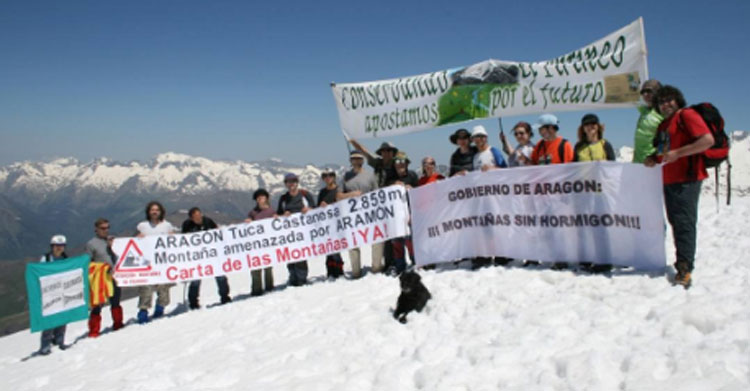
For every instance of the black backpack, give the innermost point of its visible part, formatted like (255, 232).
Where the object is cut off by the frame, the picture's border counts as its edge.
(719, 152)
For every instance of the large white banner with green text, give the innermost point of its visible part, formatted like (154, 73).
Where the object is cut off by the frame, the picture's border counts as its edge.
(604, 74)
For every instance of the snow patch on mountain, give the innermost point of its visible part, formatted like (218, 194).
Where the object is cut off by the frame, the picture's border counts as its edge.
(166, 172)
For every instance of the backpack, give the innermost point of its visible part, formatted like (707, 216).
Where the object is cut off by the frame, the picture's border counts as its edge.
(560, 149)
(717, 153)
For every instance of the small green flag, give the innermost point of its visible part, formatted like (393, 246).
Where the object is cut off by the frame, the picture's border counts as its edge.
(58, 292)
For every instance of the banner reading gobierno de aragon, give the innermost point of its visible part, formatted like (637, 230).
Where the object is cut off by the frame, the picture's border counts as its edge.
(354, 222)
(605, 74)
(598, 212)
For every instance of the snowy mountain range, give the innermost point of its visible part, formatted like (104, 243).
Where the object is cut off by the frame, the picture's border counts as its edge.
(38, 199)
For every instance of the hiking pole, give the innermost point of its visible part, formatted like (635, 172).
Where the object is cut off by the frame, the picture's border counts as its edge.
(729, 179)
(716, 192)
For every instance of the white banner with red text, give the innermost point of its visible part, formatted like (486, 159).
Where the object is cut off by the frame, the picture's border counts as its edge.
(605, 74)
(601, 212)
(354, 222)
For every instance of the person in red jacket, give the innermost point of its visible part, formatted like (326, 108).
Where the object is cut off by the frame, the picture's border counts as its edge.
(681, 138)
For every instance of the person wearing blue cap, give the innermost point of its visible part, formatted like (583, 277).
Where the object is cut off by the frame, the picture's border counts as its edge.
(551, 149)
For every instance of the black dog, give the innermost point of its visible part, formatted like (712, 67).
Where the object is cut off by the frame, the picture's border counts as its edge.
(413, 297)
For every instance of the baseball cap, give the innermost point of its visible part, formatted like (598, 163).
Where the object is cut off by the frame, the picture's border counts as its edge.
(546, 119)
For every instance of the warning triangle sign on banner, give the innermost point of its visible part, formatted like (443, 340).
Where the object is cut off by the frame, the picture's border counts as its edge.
(132, 259)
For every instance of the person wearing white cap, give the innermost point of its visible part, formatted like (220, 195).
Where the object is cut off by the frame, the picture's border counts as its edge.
(356, 182)
(487, 157)
(551, 149)
(55, 336)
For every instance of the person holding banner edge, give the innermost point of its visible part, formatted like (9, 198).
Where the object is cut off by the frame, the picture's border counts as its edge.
(592, 146)
(399, 246)
(293, 201)
(155, 224)
(648, 122)
(326, 196)
(261, 211)
(680, 137)
(198, 222)
(521, 154)
(99, 248)
(55, 336)
(356, 182)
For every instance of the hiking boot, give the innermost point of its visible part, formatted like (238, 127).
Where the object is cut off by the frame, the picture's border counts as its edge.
(116, 317)
(502, 261)
(226, 299)
(45, 350)
(683, 278)
(142, 317)
(559, 266)
(599, 269)
(158, 312)
(63, 346)
(95, 321)
(194, 305)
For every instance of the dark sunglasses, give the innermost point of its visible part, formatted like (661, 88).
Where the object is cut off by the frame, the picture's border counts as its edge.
(647, 91)
(429, 163)
(103, 228)
(324, 176)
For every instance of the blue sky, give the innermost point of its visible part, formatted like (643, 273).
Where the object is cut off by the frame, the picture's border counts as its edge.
(246, 80)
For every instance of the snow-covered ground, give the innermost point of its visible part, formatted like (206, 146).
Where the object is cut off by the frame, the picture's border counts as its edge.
(492, 329)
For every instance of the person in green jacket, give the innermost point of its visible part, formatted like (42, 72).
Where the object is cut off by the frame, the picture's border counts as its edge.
(648, 121)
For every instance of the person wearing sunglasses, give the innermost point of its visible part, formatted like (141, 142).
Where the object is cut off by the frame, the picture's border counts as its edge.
(521, 154)
(648, 121)
(429, 172)
(99, 248)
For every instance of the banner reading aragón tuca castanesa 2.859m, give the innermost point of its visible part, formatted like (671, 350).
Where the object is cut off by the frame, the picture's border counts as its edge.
(605, 74)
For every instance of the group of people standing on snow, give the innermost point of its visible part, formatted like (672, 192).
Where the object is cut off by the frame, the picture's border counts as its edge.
(667, 132)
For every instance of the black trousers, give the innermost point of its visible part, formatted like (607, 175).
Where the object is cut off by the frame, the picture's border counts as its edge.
(681, 203)
(195, 287)
(114, 301)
